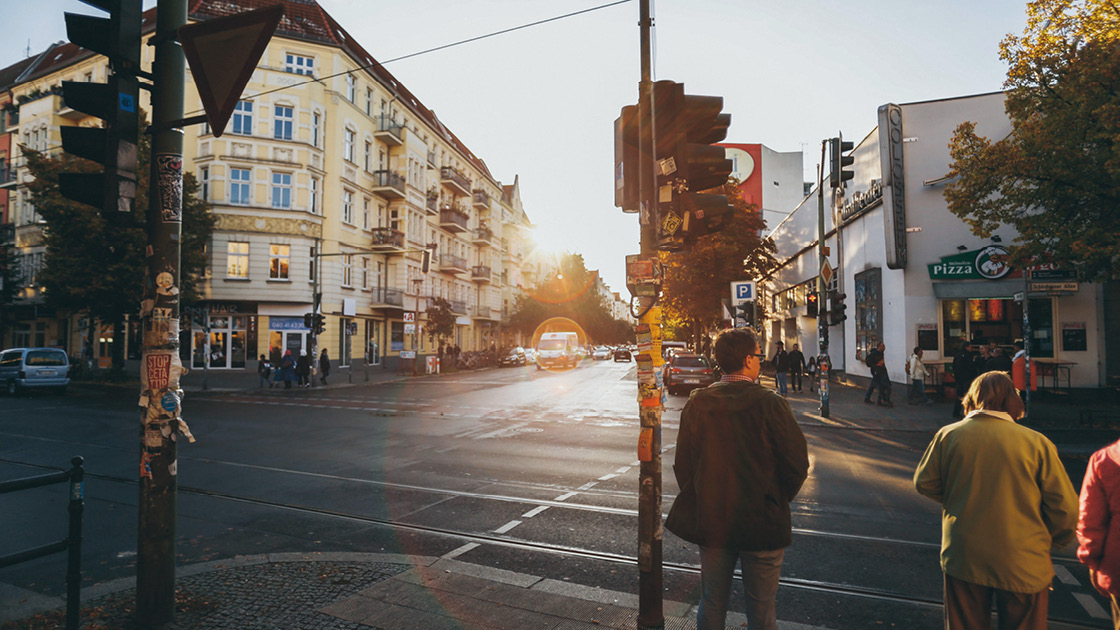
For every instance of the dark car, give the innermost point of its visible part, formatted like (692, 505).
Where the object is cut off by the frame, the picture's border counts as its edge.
(622, 354)
(512, 356)
(687, 371)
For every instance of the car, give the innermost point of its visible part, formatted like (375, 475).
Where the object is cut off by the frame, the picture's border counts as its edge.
(622, 354)
(601, 352)
(686, 371)
(513, 356)
(24, 369)
(669, 348)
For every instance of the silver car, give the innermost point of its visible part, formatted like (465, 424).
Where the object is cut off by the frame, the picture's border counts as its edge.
(33, 368)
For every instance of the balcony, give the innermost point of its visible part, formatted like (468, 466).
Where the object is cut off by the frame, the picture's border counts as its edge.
(480, 273)
(388, 184)
(455, 181)
(7, 234)
(8, 177)
(457, 307)
(388, 131)
(432, 204)
(454, 220)
(384, 297)
(450, 263)
(387, 240)
(485, 312)
(482, 236)
(481, 199)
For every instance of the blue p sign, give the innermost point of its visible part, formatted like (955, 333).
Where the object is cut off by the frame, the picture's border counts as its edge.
(744, 291)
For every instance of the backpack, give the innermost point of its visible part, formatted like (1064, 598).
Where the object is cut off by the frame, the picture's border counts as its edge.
(907, 366)
(870, 360)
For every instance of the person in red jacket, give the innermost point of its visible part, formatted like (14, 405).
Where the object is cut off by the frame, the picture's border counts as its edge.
(1098, 529)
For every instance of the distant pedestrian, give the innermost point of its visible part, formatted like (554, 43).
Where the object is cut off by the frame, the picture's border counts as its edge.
(964, 370)
(264, 371)
(880, 379)
(1019, 370)
(781, 368)
(918, 372)
(998, 362)
(1098, 530)
(811, 369)
(740, 461)
(287, 369)
(980, 360)
(796, 367)
(324, 366)
(303, 369)
(1006, 502)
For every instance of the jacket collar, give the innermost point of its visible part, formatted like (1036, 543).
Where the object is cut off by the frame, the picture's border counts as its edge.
(988, 412)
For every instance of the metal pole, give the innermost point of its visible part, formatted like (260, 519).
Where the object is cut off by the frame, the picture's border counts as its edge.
(824, 365)
(161, 368)
(74, 545)
(316, 303)
(650, 609)
(1027, 341)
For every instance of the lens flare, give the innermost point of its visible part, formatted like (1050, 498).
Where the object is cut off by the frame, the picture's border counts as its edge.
(559, 344)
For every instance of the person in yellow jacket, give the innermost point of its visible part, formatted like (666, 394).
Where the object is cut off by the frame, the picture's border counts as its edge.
(1006, 502)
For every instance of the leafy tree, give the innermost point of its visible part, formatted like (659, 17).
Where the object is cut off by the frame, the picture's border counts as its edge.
(697, 280)
(97, 266)
(441, 320)
(1056, 177)
(9, 283)
(571, 293)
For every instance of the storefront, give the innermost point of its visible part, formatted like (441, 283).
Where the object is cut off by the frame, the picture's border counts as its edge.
(222, 335)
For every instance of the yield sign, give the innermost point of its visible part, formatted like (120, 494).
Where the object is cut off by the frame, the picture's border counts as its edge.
(223, 53)
(826, 271)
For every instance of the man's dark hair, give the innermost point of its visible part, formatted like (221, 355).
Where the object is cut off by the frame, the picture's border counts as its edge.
(1018, 345)
(733, 347)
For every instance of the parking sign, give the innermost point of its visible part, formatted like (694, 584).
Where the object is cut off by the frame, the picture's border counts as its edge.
(742, 291)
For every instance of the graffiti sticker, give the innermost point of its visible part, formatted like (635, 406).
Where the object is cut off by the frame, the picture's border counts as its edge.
(169, 167)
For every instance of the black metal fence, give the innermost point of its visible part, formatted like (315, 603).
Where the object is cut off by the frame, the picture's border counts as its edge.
(72, 544)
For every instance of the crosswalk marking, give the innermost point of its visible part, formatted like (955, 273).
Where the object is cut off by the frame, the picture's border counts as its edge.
(508, 526)
(1064, 576)
(1095, 610)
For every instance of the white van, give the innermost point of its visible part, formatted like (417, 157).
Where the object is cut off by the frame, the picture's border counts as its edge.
(558, 349)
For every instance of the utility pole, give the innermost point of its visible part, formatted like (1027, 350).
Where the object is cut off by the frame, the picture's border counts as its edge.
(824, 364)
(160, 396)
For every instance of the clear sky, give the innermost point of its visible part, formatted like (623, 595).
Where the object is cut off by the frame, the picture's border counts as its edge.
(540, 103)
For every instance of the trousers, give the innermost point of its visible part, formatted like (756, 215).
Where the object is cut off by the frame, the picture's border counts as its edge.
(969, 606)
(760, 569)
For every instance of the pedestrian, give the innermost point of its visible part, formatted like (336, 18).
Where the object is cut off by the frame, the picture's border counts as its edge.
(796, 367)
(917, 371)
(1098, 529)
(781, 368)
(303, 369)
(880, 380)
(324, 366)
(964, 370)
(287, 369)
(1006, 501)
(741, 459)
(1019, 370)
(998, 362)
(811, 368)
(980, 360)
(264, 371)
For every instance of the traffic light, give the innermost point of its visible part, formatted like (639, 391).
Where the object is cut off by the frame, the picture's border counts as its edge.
(318, 323)
(626, 160)
(116, 102)
(308, 320)
(426, 261)
(685, 128)
(812, 304)
(837, 307)
(745, 312)
(838, 173)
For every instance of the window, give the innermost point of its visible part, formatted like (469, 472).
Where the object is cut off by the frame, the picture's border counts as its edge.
(365, 214)
(365, 272)
(279, 257)
(367, 156)
(311, 267)
(237, 263)
(347, 206)
(283, 122)
(316, 127)
(243, 118)
(204, 181)
(282, 190)
(348, 145)
(351, 88)
(239, 186)
(299, 64)
(314, 196)
(347, 270)
(369, 101)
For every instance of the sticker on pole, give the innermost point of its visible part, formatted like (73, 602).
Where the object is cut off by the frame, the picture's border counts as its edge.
(169, 169)
(671, 223)
(158, 371)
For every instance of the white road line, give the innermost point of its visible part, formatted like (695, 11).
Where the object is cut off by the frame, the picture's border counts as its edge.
(1091, 606)
(635, 463)
(1064, 576)
(606, 477)
(500, 432)
(623, 470)
(565, 496)
(533, 512)
(587, 486)
(508, 526)
(454, 553)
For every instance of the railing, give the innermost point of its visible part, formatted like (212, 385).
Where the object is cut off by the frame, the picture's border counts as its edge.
(385, 124)
(388, 237)
(481, 198)
(385, 295)
(72, 544)
(451, 260)
(7, 175)
(456, 305)
(433, 204)
(389, 179)
(483, 234)
(452, 174)
(480, 272)
(454, 217)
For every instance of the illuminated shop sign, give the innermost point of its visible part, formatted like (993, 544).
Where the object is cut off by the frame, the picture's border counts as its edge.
(989, 263)
(861, 201)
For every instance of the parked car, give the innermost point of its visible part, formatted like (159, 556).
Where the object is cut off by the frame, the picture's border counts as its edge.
(686, 371)
(669, 348)
(512, 356)
(33, 368)
(601, 353)
(622, 354)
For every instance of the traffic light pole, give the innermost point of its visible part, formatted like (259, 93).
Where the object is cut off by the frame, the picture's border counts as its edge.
(824, 364)
(160, 395)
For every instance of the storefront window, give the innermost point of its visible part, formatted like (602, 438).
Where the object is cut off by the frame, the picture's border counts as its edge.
(996, 320)
(237, 343)
(869, 311)
(1042, 328)
(954, 326)
(396, 339)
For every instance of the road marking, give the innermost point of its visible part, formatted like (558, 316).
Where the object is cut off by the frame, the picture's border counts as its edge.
(565, 496)
(636, 463)
(454, 553)
(587, 486)
(606, 477)
(1064, 576)
(508, 526)
(533, 512)
(1091, 606)
(623, 470)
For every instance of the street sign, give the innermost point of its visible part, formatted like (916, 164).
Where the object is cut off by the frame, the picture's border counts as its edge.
(742, 291)
(826, 272)
(1054, 274)
(1070, 287)
(410, 317)
(410, 329)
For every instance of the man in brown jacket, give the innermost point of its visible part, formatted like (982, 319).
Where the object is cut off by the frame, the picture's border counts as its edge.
(740, 461)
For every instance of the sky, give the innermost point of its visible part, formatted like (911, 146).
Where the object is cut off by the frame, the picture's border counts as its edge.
(539, 103)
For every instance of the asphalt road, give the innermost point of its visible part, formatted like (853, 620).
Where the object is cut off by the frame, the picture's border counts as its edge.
(515, 468)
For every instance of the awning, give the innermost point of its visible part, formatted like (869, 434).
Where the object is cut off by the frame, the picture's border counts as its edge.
(963, 290)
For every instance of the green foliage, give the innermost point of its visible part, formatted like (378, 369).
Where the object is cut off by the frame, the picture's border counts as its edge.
(1056, 178)
(441, 320)
(570, 292)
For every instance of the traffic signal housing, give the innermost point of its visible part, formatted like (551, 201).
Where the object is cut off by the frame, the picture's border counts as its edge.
(836, 313)
(745, 312)
(626, 160)
(318, 323)
(114, 147)
(812, 304)
(685, 130)
(308, 320)
(838, 173)
(426, 261)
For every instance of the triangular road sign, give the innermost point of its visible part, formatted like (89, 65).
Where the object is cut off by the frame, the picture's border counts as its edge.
(223, 53)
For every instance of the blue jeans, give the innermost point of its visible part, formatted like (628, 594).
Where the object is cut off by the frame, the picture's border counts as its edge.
(918, 390)
(780, 377)
(760, 569)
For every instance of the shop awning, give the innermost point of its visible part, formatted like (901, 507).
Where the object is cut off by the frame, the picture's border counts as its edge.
(961, 290)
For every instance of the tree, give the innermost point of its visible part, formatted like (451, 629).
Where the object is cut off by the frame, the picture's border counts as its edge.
(570, 292)
(98, 266)
(1056, 177)
(697, 280)
(441, 320)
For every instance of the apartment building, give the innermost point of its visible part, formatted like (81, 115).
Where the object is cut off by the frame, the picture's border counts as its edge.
(331, 177)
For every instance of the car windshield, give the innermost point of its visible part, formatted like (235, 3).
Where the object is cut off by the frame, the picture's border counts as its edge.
(46, 357)
(551, 344)
(690, 362)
